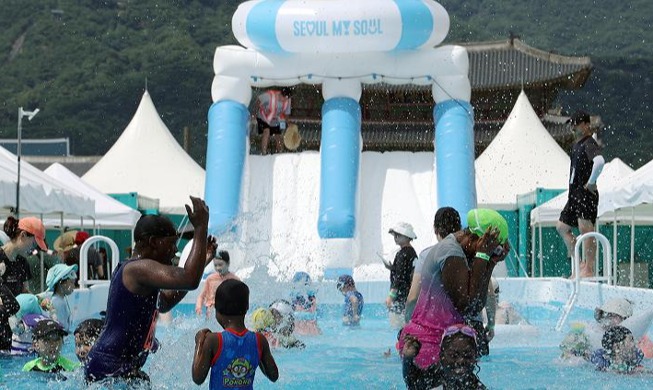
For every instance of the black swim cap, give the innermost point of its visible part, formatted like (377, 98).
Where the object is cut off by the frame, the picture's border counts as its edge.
(232, 298)
(153, 226)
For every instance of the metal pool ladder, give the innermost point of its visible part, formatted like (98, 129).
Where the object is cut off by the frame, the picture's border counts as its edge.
(607, 272)
(84, 281)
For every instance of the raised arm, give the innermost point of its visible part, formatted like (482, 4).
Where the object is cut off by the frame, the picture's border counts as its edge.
(468, 289)
(146, 275)
(169, 298)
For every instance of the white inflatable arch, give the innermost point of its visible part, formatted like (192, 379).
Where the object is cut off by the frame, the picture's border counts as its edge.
(340, 44)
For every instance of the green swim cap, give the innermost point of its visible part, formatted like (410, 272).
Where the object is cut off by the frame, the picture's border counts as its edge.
(479, 220)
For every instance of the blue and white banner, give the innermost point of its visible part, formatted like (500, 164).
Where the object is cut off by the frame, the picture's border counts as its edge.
(339, 26)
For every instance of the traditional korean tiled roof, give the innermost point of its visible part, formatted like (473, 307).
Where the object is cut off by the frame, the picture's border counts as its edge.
(508, 63)
(399, 117)
(512, 64)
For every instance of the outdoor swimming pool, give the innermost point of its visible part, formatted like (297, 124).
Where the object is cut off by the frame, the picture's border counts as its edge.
(344, 358)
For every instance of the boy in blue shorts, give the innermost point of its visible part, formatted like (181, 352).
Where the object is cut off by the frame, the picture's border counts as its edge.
(232, 355)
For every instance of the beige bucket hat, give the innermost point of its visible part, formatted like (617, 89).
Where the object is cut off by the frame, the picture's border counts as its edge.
(291, 138)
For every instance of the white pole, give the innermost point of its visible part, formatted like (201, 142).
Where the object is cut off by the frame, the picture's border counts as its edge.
(632, 246)
(596, 252)
(541, 254)
(533, 249)
(18, 152)
(42, 267)
(614, 248)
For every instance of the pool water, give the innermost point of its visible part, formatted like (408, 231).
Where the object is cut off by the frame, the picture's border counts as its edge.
(348, 358)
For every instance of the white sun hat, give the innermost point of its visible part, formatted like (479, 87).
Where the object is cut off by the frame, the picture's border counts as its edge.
(619, 306)
(405, 229)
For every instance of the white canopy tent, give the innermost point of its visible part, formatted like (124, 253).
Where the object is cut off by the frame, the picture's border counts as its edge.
(33, 198)
(547, 214)
(522, 157)
(148, 160)
(630, 202)
(109, 213)
(631, 198)
(40, 194)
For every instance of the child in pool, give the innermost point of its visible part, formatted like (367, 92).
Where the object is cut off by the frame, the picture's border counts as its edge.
(233, 355)
(457, 367)
(302, 296)
(304, 304)
(86, 334)
(207, 297)
(353, 306)
(619, 353)
(284, 325)
(23, 323)
(61, 283)
(576, 343)
(48, 339)
(584, 339)
(263, 322)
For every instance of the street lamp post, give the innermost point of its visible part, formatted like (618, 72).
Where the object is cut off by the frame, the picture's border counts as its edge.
(29, 115)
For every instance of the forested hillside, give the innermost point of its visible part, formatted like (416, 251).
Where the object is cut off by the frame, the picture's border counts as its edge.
(85, 63)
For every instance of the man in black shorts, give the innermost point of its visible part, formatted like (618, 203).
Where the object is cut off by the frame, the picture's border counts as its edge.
(272, 111)
(582, 204)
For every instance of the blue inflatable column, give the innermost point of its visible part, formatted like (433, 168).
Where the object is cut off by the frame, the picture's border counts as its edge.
(340, 158)
(225, 159)
(454, 155)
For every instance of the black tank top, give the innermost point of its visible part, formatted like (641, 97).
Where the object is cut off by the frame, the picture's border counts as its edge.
(130, 322)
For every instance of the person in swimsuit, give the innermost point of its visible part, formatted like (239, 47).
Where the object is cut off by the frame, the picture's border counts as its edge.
(233, 355)
(458, 366)
(455, 276)
(222, 273)
(142, 287)
(353, 305)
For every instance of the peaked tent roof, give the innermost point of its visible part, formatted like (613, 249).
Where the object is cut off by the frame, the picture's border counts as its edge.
(40, 193)
(631, 198)
(613, 173)
(522, 157)
(147, 159)
(109, 213)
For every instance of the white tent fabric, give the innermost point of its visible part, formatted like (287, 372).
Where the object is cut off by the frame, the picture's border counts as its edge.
(148, 160)
(33, 199)
(40, 193)
(632, 199)
(522, 157)
(613, 173)
(109, 213)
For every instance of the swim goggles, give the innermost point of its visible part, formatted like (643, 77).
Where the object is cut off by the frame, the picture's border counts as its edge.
(460, 328)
